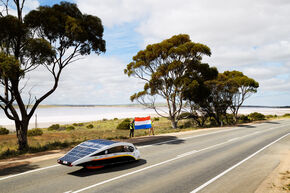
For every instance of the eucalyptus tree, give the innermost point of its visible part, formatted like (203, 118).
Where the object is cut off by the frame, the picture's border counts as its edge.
(52, 37)
(227, 92)
(168, 68)
(243, 88)
(221, 91)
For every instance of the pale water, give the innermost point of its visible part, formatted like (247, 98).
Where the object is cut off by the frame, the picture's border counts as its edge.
(51, 115)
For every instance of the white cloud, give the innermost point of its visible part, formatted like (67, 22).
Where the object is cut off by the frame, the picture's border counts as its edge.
(92, 80)
(31, 4)
(114, 12)
(251, 36)
(28, 6)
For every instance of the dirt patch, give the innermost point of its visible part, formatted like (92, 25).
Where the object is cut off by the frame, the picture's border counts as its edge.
(30, 158)
(279, 180)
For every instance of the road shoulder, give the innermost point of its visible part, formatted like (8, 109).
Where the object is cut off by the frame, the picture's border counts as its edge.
(279, 180)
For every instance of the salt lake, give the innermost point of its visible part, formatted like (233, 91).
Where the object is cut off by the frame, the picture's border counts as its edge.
(73, 114)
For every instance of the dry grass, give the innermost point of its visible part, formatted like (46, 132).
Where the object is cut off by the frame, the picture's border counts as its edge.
(105, 129)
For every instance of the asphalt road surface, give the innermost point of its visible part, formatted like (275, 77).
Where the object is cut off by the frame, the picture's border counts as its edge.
(234, 159)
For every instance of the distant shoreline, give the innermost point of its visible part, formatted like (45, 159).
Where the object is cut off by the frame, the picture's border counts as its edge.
(67, 114)
(138, 105)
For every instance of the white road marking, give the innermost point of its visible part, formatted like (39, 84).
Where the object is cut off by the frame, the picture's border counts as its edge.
(236, 165)
(187, 153)
(31, 171)
(152, 166)
(190, 137)
(195, 136)
(177, 157)
(146, 168)
(234, 139)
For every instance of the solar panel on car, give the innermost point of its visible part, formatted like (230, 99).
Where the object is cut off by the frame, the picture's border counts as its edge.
(85, 149)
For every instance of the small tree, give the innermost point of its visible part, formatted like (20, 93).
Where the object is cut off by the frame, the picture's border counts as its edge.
(52, 37)
(167, 69)
(220, 97)
(243, 86)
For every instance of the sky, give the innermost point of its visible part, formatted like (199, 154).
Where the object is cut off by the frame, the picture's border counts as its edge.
(249, 36)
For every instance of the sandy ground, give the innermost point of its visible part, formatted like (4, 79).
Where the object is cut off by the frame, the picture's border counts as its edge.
(30, 158)
(279, 180)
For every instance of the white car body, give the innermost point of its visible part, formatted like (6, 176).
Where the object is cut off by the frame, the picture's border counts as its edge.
(99, 153)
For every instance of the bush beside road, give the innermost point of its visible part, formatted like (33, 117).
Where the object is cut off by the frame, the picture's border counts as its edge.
(65, 136)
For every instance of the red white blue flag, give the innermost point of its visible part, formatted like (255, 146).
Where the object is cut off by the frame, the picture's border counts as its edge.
(142, 122)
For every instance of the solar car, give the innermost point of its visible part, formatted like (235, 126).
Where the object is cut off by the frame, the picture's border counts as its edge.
(98, 153)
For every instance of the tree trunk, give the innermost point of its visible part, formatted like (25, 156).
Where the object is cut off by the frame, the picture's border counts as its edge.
(235, 118)
(173, 123)
(21, 130)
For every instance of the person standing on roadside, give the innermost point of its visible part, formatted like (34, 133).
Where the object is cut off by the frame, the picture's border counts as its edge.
(132, 128)
(151, 130)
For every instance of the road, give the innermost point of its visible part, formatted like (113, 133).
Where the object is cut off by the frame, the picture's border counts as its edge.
(233, 159)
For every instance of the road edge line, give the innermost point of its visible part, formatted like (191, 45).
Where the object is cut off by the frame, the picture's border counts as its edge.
(236, 165)
(30, 171)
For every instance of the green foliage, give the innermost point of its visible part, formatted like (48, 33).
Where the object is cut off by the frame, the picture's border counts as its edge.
(34, 132)
(187, 124)
(244, 119)
(66, 22)
(185, 115)
(9, 67)
(286, 115)
(78, 124)
(256, 116)
(90, 126)
(49, 146)
(216, 96)
(115, 119)
(51, 37)
(241, 88)
(124, 125)
(70, 128)
(169, 69)
(57, 127)
(229, 119)
(4, 131)
(213, 122)
(53, 127)
(156, 119)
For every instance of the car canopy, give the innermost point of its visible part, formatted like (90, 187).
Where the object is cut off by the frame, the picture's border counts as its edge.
(86, 148)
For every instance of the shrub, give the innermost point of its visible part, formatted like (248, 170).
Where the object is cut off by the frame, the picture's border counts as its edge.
(269, 116)
(70, 128)
(115, 119)
(124, 125)
(256, 116)
(187, 124)
(229, 119)
(105, 119)
(185, 115)
(156, 118)
(244, 119)
(53, 127)
(78, 124)
(4, 131)
(90, 126)
(286, 115)
(34, 132)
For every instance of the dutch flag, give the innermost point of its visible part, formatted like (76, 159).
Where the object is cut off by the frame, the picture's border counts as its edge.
(142, 122)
